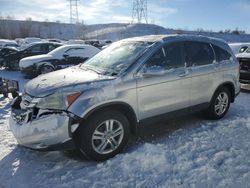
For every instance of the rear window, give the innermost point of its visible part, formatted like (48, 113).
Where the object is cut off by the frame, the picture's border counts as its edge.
(221, 55)
(199, 53)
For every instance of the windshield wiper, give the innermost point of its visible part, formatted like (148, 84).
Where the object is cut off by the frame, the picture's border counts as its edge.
(91, 69)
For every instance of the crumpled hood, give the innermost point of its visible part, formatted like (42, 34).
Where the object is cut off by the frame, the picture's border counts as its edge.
(47, 84)
(28, 61)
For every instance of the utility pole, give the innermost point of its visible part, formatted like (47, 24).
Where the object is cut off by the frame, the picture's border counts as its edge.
(73, 4)
(140, 11)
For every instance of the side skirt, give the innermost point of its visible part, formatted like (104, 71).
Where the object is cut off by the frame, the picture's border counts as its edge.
(174, 114)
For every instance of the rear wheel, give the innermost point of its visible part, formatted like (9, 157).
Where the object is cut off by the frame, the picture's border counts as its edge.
(219, 104)
(104, 135)
(46, 69)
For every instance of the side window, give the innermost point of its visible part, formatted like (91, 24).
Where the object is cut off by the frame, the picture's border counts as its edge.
(35, 48)
(157, 60)
(199, 53)
(52, 47)
(45, 48)
(75, 52)
(221, 55)
(174, 55)
(243, 49)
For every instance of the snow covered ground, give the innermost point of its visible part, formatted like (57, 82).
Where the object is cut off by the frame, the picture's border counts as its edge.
(183, 152)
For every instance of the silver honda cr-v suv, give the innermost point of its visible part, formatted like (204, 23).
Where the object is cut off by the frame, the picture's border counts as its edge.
(97, 105)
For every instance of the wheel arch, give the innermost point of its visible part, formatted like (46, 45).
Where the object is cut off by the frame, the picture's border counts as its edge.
(122, 107)
(230, 86)
(43, 63)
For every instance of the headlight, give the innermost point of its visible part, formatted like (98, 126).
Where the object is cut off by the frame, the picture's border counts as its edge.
(58, 101)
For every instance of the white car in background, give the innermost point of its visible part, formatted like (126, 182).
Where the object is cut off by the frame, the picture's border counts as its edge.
(61, 57)
(239, 47)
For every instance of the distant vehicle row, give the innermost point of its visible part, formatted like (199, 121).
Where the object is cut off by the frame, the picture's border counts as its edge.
(59, 58)
(22, 43)
(43, 57)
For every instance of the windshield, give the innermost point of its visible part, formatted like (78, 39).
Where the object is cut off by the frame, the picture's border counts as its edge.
(116, 58)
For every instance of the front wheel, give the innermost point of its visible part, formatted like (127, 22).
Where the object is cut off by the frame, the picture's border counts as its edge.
(103, 135)
(219, 105)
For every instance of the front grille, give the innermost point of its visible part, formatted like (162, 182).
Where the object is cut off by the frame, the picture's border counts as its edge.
(244, 64)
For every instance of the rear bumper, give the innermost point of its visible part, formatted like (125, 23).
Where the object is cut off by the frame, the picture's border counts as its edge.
(48, 132)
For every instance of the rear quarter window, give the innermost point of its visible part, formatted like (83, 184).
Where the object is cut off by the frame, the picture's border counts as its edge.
(221, 54)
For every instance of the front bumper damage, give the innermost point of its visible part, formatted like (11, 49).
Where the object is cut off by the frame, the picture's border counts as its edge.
(42, 129)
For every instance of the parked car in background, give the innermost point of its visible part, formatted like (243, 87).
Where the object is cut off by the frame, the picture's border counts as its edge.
(244, 60)
(11, 61)
(239, 47)
(8, 43)
(29, 40)
(97, 105)
(75, 41)
(6, 51)
(59, 58)
(55, 40)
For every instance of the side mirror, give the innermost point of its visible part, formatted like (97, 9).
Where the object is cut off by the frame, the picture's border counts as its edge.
(152, 71)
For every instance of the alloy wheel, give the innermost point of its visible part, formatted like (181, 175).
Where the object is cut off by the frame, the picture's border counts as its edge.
(221, 103)
(108, 136)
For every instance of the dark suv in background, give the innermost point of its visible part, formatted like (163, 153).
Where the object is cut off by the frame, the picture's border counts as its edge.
(11, 61)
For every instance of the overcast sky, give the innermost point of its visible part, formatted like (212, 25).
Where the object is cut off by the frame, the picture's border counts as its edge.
(186, 14)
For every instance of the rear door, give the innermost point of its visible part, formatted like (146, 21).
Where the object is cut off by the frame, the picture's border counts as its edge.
(200, 58)
(166, 92)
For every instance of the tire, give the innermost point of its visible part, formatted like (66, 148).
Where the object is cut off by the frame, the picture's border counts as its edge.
(46, 69)
(219, 105)
(103, 144)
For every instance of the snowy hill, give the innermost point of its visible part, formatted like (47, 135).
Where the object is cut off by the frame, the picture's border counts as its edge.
(121, 31)
(113, 31)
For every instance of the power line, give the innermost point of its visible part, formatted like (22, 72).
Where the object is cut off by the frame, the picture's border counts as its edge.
(73, 4)
(140, 11)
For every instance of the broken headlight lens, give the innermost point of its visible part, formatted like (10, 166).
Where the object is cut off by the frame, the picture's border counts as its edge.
(58, 101)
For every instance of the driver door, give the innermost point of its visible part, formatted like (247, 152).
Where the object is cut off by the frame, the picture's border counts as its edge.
(169, 89)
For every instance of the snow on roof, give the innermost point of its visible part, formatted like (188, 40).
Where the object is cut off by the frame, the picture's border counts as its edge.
(168, 38)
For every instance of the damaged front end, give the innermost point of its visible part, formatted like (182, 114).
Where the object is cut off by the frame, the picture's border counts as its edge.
(41, 129)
